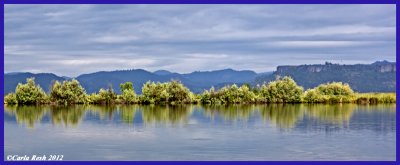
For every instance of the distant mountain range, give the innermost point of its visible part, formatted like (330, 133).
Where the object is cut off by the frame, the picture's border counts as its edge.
(195, 81)
(376, 77)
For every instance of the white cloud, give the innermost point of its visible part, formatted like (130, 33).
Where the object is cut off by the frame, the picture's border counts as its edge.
(311, 44)
(74, 39)
(115, 39)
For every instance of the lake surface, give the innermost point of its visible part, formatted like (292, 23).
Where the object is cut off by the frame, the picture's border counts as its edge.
(194, 132)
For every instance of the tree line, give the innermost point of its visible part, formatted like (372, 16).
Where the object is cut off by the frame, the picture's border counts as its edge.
(282, 90)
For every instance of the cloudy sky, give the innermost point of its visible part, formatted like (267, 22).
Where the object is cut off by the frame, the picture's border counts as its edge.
(72, 39)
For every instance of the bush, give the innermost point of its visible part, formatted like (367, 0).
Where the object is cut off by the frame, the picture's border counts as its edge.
(246, 95)
(335, 89)
(107, 96)
(169, 92)
(230, 94)
(103, 97)
(335, 92)
(178, 93)
(30, 93)
(313, 96)
(283, 90)
(128, 95)
(264, 95)
(154, 93)
(388, 98)
(10, 99)
(69, 92)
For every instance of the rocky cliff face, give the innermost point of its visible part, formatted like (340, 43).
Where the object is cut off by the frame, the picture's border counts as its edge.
(376, 77)
(385, 67)
(380, 66)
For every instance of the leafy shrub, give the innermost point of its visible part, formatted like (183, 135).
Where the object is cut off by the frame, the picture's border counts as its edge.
(283, 90)
(69, 92)
(335, 89)
(10, 99)
(178, 93)
(128, 95)
(30, 93)
(335, 92)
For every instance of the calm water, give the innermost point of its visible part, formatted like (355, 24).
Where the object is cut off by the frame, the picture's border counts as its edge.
(257, 132)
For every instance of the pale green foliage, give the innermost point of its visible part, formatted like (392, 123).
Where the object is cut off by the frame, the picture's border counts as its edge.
(94, 98)
(178, 93)
(264, 95)
(154, 92)
(103, 97)
(10, 99)
(211, 97)
(205, 97)
(375, 98)
(108, 96)
(246, 95)
(335, 88)
(283, 90)
(30, 93)
(229, 94)
(313, 96)
(335, 92)
(69, 92)
(169, 92)
(128, 95)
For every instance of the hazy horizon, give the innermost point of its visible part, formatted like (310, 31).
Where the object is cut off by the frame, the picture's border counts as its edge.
(69, 40)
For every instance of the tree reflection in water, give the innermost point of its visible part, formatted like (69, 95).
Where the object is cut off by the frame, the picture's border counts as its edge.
(28, 115)
(103, 111)
(127, 113)
(67, 115)
(178, 114)
(283, 116)
(331, 113)
(233, 112)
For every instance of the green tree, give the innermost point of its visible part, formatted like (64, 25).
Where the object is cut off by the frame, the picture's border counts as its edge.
(178, 93)
(246, 95)
(335, 92)
(205, 97)
(264, 95)
(284, 90)
(30, 93)
(128, 93)
(107, 96)
(68, 92)
(126, 86)
(229, 94)
(335, 88)
(154, 93)
(313, 96)
(10, 99)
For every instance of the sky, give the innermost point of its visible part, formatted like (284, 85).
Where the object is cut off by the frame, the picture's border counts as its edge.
(70, 40)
